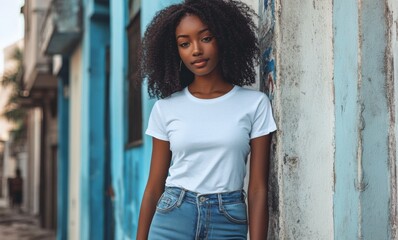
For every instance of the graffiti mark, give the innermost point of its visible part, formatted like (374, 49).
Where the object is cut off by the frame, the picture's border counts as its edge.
(266, 33)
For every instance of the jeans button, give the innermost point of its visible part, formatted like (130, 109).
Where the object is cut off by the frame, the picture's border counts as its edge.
(202, 199)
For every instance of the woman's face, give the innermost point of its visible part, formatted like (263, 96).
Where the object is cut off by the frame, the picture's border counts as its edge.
(197, 46)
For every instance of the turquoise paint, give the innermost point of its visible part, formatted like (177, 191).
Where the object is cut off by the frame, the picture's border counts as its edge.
(130, 167)
(95, 40)
(84, 187)
(346, 197)
(95, 9)
(375, 198)
(63, 153)
(133, 178)
(137, 160)
(149, 8)
(118, 102)
(361, 206)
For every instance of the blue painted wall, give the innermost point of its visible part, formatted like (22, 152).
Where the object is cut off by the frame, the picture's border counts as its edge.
(362, 191)
(63, 152)
(138, 159)
(95, 40)
(149, 8)
(376, 178)
(346, 197)
(118, 93)
(130, 167)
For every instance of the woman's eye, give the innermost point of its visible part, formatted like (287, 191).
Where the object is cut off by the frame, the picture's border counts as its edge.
(184, 44)
(207, 39)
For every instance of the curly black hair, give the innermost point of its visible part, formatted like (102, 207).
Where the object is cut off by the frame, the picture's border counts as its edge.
(230, 21)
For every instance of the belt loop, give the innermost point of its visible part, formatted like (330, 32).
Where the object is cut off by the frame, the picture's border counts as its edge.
(244, 194)
(220, 205)
(182, 194)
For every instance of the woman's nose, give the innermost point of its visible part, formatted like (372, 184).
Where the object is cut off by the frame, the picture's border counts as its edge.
(197, 50)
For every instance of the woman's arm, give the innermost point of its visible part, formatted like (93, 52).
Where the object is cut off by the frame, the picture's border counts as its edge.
(258, 187)
(160, 164)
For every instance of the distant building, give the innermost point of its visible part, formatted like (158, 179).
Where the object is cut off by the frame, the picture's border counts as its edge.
(8, 161)
(9, 65)
(39, 95)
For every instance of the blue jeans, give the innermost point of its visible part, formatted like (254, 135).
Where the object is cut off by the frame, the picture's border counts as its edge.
(186, 215)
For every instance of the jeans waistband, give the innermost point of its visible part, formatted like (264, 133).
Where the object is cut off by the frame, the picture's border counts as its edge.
(212, 198)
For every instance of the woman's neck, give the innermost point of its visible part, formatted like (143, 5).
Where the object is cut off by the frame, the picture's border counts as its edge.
(209, 87)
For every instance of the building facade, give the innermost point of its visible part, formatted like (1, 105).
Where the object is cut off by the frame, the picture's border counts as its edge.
(39, 94)
(8, 162)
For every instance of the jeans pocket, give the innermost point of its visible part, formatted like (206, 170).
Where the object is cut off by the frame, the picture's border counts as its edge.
(166, 203)
(235, 212)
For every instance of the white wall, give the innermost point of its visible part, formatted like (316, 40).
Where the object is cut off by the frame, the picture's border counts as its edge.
(75, 87)
(35, 13)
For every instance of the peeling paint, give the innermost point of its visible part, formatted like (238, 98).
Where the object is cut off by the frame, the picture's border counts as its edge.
(389, 63)
(360, 185)
(361, 123)
(374, 163)
(396, 30)
(291, 161)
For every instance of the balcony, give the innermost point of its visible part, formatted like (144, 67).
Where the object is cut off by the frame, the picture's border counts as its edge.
(62, 27)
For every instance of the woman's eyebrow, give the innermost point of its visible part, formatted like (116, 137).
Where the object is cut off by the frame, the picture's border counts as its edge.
(182, 36)
(204, 30)
(187, 36)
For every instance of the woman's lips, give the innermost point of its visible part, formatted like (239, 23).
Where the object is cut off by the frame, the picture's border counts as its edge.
(200, 63)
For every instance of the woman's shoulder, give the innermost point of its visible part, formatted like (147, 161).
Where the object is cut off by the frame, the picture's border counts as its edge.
(175, 97)
(251, 94)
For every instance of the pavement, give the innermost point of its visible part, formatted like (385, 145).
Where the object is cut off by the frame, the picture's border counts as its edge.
(16, 225)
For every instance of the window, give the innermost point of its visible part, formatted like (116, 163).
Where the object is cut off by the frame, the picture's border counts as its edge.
(134, 98)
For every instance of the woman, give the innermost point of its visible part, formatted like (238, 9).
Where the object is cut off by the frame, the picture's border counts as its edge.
(196, 55)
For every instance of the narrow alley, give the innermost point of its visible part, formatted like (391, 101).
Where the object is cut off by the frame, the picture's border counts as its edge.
(21, 226)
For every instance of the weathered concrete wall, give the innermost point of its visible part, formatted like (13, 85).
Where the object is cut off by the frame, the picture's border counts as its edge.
(304, 111)
(334, 67)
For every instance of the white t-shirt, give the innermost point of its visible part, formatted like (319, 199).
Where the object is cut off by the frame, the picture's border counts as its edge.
(209, 138)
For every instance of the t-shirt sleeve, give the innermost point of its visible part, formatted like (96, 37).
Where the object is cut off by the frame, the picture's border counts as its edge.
(263, 122)
(156, 125)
